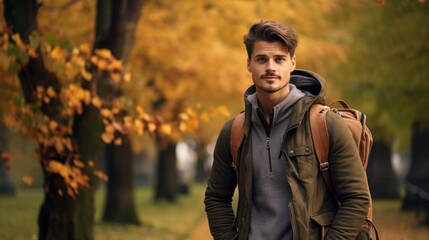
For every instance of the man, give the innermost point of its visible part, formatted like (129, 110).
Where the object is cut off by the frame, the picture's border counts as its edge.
(282, 194)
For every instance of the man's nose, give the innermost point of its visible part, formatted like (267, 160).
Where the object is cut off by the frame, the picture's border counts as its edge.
(270, 67)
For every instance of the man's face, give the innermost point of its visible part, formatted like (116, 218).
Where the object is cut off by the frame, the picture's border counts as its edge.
(270, 66)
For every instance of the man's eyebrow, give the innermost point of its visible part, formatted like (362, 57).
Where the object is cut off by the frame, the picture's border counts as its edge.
(261, 55)
(265, 55)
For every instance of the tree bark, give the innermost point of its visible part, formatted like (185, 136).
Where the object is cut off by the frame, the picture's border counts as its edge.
(115, 30)
(166, 184)
(382, 180)
(56, 213)
(87, 130)
(119, 206)
(202, 154)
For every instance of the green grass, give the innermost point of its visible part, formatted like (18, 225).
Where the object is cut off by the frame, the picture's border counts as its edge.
(160, 220)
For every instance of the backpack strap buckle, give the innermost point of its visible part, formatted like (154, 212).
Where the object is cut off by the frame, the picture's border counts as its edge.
(324, 166)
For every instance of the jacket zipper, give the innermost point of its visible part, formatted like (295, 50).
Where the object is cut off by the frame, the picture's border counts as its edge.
(269, 154)
(267, 127)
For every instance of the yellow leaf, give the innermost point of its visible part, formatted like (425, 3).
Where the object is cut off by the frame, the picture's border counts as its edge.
(46, 100)
(85, 49)
(106, 113)
(166, 129)
(86, 97)
(53, 125)
(59, 147)
(139, 126)
(94, 60)
(183, 116)
(151, 127)
(127, 77)
(91, 163)
(107, 137)
(85, 74)
(128, 122)
(101, 175)
(140, 110)
(32, 52)
(115, 65)
(58, 53)
(17, 39)
(64, 172)
(54, 166)
(102, 64)
(223, 110)
(205, 117)
(78, 163)
(118, 141)
(116, 77)
(51, 92)
(182, 127)
(105, 53)
(44, 129)
(28, 179)
(96, 101)
(109, 129)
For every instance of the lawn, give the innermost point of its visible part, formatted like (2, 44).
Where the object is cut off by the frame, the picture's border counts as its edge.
(160, 220)
(175, 221)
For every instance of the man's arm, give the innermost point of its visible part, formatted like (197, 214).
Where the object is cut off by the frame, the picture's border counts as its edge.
(220, 189)
(349, 180)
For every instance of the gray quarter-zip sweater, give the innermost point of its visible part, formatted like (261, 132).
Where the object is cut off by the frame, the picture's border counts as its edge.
(271, 192)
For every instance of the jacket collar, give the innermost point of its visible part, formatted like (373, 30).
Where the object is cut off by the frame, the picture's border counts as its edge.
(304, 80)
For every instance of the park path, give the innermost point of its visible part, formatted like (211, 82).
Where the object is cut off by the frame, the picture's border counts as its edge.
(392, 224)
(201, 232)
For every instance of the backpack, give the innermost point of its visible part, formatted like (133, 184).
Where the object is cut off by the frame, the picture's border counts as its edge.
(355, 120)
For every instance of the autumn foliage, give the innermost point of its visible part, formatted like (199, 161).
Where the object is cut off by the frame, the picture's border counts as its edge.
(74, 66)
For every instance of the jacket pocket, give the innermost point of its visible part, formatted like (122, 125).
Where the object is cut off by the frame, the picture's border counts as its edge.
(320, 225)
(303, 162)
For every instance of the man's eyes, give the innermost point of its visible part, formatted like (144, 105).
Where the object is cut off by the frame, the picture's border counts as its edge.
(277, 59)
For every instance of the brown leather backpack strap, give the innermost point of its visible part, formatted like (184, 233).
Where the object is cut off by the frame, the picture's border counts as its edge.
(320, 136)
(236, 138)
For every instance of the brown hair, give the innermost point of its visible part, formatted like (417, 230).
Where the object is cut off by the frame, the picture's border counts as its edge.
(271, 31)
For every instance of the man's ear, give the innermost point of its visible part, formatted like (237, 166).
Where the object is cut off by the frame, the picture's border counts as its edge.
(293, 62)
(248, 64)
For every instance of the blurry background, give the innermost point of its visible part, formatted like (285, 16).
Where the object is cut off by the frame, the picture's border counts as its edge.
(185, 62)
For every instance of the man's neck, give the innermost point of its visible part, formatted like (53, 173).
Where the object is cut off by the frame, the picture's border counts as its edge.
(267, 101)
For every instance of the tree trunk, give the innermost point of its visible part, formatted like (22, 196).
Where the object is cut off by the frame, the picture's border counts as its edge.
(166, 185)
(87, 131)
(6, 184)
(56, 213)
(119, 206)
(382, 180)
(419, 171)
(202, 154)
(115, 30)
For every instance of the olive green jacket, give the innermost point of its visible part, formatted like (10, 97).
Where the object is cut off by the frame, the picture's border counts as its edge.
(312, 205)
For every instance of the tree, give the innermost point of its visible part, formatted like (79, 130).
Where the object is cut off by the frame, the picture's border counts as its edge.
(115, 29)
(385, 74)
(63, 109)
(382, 181)
(21, 16)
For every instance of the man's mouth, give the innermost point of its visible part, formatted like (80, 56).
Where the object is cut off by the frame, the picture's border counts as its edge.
(270, 77)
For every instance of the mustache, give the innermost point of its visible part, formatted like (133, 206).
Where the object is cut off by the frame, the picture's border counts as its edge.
(270, 75)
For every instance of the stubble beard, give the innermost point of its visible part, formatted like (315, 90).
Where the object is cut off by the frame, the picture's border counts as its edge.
(273, 90)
